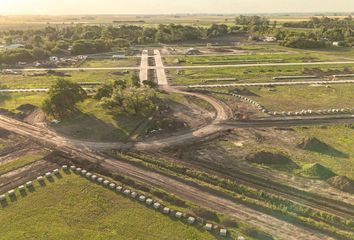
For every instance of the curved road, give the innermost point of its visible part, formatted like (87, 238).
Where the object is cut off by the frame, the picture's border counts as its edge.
(194, 194)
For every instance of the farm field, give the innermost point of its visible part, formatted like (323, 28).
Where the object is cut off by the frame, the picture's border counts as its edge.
(87, 211)
(246, 74)
(28, 80)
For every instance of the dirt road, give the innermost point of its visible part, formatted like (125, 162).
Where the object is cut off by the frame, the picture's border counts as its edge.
(196, 195)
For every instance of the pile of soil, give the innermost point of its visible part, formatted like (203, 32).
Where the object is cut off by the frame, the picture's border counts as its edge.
(244, 92)
(26, 108)
(264, 157)
(4, 133)
(31, 114)
(342, 183)
(315, 145)
(220, 50)
(317, 171)
(312, 144)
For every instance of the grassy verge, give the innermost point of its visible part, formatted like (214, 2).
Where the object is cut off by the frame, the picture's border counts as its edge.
(296, 98)
(88, 211)
(252, 74)
(19, 163)
(27, 80)
(12, 101)
(126, 62)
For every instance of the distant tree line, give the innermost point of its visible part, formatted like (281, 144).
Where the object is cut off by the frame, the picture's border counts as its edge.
(319, 33)
(81, 39)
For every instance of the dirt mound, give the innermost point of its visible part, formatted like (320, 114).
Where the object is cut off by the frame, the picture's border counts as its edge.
(312, 144)
(317, 171)
(315, 145)
(342, 183)
(244, 92)
(268, 158)
(4, 133)
(31, 114)
(26, 108)
(220, 50)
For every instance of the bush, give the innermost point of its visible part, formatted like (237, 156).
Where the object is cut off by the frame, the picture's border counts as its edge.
(205, 214)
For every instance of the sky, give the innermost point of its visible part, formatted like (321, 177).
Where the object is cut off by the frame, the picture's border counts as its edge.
(69, 7)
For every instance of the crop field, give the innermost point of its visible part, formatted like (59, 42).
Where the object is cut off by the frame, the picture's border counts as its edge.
(297, 98)
(88, 211)
(251, 74)
(28, 80)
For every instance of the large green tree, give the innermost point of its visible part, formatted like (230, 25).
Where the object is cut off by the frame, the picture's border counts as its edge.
(131, 100)
(63, 97)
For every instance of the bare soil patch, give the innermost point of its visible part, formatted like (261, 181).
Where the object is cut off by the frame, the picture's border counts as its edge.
(264, 157)
(342, 183)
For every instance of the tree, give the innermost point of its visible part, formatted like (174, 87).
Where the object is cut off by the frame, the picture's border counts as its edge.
(135, 80)
(63, 97)
(131, 100)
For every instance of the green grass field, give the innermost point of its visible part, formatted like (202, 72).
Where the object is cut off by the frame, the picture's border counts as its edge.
(251, 74)
(28, 81)
(127, 62)
(337, 155)
(19, 163)
(11, 101)
(74, 208)
(93, 122)
(263, 53)
(97, 124)
(247, 58)
(297, 98)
